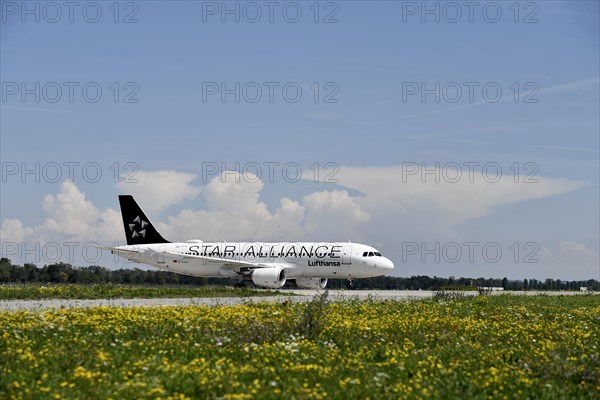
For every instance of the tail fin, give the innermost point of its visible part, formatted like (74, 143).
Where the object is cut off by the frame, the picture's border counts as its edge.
(138, 228)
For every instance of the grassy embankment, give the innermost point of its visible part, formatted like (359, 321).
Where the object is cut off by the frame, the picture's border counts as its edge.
(448, 347)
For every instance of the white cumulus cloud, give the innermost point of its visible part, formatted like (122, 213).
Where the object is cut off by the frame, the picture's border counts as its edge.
(578, 253)
(160, 189)
(69, 214)
(333, 213)
(13, 231)
(235, 212)
(383, 206)
(395, 196)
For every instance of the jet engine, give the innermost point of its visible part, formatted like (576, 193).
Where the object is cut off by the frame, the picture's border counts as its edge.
(311, 283)
(272, 277)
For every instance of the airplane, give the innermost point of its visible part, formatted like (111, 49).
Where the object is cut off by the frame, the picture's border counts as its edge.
(267, 265)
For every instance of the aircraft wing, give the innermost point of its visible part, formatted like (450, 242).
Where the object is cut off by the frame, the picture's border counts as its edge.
(234, 265)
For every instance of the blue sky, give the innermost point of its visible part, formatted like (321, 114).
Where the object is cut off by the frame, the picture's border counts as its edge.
(367, 61)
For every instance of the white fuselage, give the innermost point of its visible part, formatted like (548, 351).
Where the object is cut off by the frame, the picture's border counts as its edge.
(308, 259)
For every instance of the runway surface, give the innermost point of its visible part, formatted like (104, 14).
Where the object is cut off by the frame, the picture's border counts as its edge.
(295, 296)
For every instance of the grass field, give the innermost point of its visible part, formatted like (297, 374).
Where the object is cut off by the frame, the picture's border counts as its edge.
(111, 291)
(473, 347)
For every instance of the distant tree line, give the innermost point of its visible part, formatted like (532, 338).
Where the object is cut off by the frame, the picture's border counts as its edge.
(427, 282)
(66, 273)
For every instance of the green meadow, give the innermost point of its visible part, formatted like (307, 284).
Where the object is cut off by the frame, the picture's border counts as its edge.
(514, 347)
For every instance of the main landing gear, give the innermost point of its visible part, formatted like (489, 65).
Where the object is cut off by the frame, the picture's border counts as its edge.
(350, 284)
(238, 284)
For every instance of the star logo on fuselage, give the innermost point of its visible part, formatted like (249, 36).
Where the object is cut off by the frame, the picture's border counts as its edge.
(138, 227)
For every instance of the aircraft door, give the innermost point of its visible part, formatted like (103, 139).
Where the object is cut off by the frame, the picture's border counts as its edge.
(271, 258)
(160, 256)
(347, 255)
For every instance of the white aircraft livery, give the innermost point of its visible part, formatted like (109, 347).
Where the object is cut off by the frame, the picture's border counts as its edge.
(267, 265)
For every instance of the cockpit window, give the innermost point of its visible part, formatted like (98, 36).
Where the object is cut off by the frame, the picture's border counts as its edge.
(371, 254)
(365, 254)
(378, 254)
